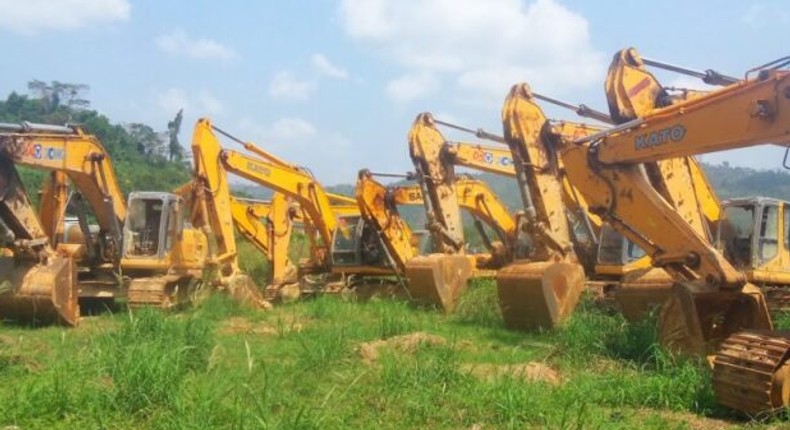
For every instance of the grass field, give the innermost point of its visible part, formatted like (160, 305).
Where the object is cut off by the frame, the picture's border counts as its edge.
(338, 363)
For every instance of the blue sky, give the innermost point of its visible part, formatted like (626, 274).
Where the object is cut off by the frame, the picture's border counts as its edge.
(335, 84)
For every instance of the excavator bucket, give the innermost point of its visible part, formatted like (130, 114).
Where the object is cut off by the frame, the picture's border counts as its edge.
(642, 291)
(540, 294)
(40, 293)
(696, 322)
(243, 290)
(438, 279)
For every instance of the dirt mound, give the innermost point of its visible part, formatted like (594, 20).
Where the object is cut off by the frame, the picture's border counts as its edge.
(531, 371)
(407, 343)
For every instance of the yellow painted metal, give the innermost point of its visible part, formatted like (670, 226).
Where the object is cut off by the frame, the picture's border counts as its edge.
(436, 279)
(436, 177)
(36, 283)
(541, 292)
(82, 158)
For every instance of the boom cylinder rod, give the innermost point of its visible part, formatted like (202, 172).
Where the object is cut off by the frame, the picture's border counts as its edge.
(27, 127)
(608, 131)
(482, 134)
(709, 76)
(581, 110)
(393, 175)
(249, 146)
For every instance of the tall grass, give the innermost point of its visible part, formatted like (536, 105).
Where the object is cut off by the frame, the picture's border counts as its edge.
(191, 370)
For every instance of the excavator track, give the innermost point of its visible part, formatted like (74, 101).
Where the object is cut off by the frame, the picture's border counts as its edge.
(778, 299)
(750, 372)
(159, 291)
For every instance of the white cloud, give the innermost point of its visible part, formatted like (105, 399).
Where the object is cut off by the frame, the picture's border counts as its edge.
(412, 86)
(327, 68)
(483, 47)
(204, 103)
(179, 43)
(32, 16)
(285, 86)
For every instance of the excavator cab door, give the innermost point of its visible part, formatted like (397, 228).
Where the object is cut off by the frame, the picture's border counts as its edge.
(152, 225)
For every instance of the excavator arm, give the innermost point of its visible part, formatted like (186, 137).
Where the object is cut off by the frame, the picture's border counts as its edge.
(271, 237)
(436, 279)
(36, 283)
(482, 203)
(544, 290)
(436, 177)
(80, 157)
(712, 301)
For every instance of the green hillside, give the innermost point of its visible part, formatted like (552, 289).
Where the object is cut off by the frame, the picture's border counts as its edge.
(143, 160)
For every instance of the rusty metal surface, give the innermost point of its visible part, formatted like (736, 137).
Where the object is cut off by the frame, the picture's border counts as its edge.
(641, 292)
(241, 288)
(540, 294)
(42, 293)
(695, 321)
(438, 279)
(750, 372)
(159, 291)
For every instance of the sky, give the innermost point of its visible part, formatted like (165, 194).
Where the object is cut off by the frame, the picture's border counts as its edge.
(334, 85)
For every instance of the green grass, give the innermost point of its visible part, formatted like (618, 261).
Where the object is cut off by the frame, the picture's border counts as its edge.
(300, 367)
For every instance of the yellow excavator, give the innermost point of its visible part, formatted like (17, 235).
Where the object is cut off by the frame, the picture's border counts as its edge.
(271, 237)
(712, 306)
(148, 241)
(485, 207)
(523, 303)
(632, 92)
(342, 244)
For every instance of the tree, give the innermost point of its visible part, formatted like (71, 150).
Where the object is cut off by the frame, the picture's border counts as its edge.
(175, 151)
(149, 142)
(56, 94)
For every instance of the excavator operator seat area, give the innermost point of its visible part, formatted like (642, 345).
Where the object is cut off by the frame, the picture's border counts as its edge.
(615, 250)
(152, 224)
(356, 243)
(755, 231)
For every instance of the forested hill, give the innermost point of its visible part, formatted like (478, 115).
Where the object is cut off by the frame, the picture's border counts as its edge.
(143, 158)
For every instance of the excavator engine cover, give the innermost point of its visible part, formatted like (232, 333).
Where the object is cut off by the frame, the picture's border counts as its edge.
(46, 292)
(438, 279)
(696, 322)
(642, 291)
(536, 295)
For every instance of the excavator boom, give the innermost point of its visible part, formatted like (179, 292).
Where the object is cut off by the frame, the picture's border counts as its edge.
(711, 302)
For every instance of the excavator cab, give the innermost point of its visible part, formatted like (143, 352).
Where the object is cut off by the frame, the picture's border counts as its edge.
(754, 238)
(152, 224)
(615, 250)
(356, 244)
(155, 240)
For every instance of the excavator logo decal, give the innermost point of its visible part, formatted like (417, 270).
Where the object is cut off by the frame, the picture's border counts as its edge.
(38, 152)
(265, 171)
(673, 133)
